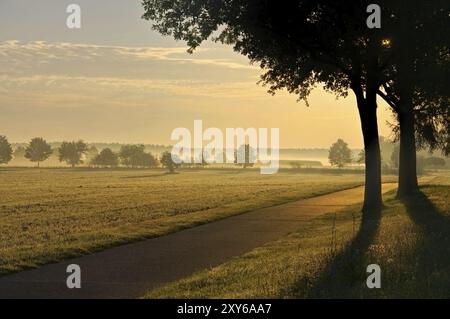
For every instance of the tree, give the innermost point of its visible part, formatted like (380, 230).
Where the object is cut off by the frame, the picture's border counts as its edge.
(305, 42)
(5, 150)
(143, 159)
(340, 154)
(245, 156)
(167, 162)
(38, 150)
(106, 158)
(72, 152)
(127, 152)
(135, 156)
(417, 85)
(298, 44)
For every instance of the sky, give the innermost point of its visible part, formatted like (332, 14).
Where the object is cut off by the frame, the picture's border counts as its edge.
(117, 80)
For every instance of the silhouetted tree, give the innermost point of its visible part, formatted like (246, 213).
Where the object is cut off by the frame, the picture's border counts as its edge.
(417, 85)
(143, 159)
(167, 161)
(298, 44)
(106, 158)
(38, 150)
(135, 156)
(5, 150)
(305, 42)
(128, 151)
(72, 152)
(340, 154)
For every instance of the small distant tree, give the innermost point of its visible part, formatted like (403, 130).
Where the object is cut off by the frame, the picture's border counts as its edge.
(395, 156)
(245, 156)
(38, 150)
(106, 158)
(128, 153)
(435, 161)
(167, 162)
(143, 159)
(19, 152)
(5, 150)
(135, 156)
(340, 154)
(72, 152)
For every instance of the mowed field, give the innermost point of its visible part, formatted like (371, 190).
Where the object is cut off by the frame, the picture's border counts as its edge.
(47, 215)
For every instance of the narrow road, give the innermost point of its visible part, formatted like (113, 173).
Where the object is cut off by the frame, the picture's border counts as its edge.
(128, 271)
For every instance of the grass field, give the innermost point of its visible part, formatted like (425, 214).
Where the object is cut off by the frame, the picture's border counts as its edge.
(47, 215)
(328, 258)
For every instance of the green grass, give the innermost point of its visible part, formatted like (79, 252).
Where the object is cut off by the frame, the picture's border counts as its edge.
(47, 215)
(328, 258)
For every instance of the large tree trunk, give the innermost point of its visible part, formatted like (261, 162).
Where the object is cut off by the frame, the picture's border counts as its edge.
(407, 177)
(372, 191)
(407, 174)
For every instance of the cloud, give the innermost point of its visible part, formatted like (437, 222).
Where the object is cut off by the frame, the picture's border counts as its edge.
(23, 55)
(189, 88)
(42, 73)
(80, 90)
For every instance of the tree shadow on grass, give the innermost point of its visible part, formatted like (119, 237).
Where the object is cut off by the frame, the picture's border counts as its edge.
(432, 251)
(423, 272)
(346, 269)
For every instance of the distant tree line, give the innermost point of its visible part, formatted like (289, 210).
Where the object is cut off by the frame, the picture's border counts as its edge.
(340, 155)
(76, 153)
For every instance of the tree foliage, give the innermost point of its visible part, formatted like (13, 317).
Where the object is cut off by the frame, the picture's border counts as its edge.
(300, 44)
(135, 156)
(106, 158)
(72, 152)
(38, 150)
(5, 150)
(167, 161)
(340, 154)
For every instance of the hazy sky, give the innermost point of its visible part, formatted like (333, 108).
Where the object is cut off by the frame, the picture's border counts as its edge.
(117, 80)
